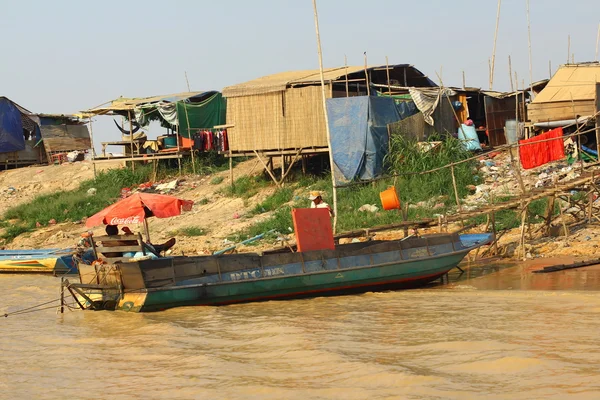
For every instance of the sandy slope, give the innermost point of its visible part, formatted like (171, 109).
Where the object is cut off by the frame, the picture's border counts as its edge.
(219, 217)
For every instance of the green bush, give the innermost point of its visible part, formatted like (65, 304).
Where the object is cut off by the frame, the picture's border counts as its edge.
(215, 180)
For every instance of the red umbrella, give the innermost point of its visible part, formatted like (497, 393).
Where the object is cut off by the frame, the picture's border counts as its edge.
(137, 207)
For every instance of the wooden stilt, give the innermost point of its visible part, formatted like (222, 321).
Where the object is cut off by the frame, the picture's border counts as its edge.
(564, 224)
(303, 164)
(271, 174)
(522, 241)
(230, 169)
(549, 213)
(282, 169)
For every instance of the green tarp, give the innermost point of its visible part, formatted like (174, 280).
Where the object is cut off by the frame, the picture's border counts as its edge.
(209, 113)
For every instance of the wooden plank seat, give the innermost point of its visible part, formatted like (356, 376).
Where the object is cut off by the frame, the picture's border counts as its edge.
(112, 248)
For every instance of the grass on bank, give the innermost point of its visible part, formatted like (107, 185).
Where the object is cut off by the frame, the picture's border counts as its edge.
(72, 205)
(427, 190)
(190, 231)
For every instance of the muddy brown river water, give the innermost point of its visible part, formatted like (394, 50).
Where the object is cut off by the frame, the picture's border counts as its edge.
(495, 332)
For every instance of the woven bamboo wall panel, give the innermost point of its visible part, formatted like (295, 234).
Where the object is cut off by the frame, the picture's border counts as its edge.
(275, 121)
(304, 118)
(258, 121)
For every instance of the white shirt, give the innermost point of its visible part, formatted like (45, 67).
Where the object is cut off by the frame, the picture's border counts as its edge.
(322, 204)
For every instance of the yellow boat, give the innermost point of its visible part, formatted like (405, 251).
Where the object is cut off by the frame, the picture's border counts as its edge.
(47, 261)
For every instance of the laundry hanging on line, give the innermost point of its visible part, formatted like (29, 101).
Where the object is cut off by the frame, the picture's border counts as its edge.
(539, 150)
(207, 140)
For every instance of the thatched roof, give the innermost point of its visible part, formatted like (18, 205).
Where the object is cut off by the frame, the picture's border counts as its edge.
(280, 81)
(572, 82)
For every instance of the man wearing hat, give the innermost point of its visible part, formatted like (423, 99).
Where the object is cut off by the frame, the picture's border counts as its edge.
(317, 202)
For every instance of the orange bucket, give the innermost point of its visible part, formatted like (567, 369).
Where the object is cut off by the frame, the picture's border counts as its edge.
(389, 199)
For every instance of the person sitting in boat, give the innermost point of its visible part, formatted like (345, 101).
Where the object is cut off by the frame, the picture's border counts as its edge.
(317, 202)
(158, 248)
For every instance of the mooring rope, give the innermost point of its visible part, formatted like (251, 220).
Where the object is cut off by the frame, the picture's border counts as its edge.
(33, 308)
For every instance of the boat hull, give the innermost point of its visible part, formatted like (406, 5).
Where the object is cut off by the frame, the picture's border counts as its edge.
(159, 284)
(51, 261)
(391, 276)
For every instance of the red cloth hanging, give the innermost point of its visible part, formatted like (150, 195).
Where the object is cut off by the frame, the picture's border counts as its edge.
(538, 152)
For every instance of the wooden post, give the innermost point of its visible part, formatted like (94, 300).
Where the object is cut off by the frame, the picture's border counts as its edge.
(464, 81)
(562, 220)
(494, 50)
(597, 109)
(131, 139)
(367, 76)
(178, 151)
(62, 294)
(331, 163)
(523, 218)
(493, 222)
(387, 71)
(147, 230)
(517, 169)
(549, 213)
(267, 168)
(568, 48)
(230, 169)
(529, 44)
(282, 168)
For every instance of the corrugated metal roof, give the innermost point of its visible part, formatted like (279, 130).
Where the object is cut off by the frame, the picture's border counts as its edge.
(127, 104)
(278, 82)
(571, 82)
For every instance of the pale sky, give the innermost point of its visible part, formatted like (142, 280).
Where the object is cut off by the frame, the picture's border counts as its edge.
(65, 56)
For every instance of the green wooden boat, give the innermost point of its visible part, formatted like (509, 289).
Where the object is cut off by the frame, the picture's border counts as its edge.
(158, 284)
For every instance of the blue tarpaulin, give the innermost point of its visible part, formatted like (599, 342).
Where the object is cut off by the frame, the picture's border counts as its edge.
(11, 127)
(359, 137)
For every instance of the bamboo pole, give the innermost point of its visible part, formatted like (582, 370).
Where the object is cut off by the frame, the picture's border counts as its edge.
(187, 81)
(597, 101)
(568, 48)
(387, 71)
(529, 45)
(494, 49)
(331, 163)
(367, 76)
(346, 67)
(490, 73)
(597, 41)
(455, 188)
(93, 149)
(549, 69)
(187, 118)
(131, 139)
(512, 88)
(464, 81)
